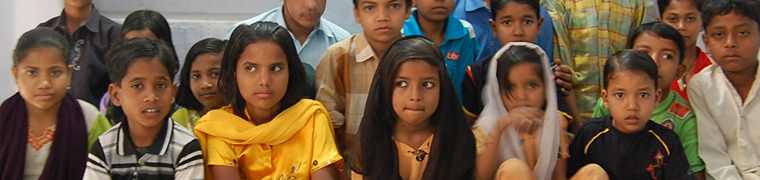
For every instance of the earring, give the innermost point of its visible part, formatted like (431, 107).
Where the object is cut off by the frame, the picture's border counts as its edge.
(68, 86)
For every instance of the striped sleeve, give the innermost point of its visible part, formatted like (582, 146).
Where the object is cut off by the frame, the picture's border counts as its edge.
(96, 164)
(190, 162)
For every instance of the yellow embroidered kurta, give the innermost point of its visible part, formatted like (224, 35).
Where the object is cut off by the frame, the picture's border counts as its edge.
(296, 143)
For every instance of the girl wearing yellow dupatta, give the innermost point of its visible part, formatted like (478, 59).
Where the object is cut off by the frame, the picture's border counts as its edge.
(267, 131)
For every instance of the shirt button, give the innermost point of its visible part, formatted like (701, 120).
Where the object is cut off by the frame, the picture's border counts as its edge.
(142, 163)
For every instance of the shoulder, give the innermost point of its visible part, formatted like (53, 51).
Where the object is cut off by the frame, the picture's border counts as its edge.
(334, 30)
(343, 46)
(595, 126)
(110, 137)
(108, 23)
(663, 133)
(470, 29)
(180, 134)
(680, 108)
(90, 112)
(50, 22)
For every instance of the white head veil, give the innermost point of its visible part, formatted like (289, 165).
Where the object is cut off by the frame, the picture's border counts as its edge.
(547, 136)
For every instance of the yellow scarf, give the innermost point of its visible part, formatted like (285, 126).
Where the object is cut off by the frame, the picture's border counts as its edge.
(225, 125)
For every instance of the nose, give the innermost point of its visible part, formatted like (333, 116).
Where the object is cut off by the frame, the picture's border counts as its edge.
(265, 78)
(383, 15)
(416, 93)
(681, 26)
(310, 4)
(631, 103)
(207, 84)
(730, 41)
(518, 31)
(152, 95)
(45, 84)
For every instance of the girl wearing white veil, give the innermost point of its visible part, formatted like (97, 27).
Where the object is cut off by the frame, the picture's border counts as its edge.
(520, 127)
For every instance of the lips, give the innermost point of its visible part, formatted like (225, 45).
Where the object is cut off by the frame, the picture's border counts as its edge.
(439, 8)
(208, 94)
(263, 94)
(44, 96)
(310, 17)
(384, 29)
(631, 119)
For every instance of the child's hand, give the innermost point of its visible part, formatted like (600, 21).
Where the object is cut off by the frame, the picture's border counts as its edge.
(564, 77)
(526, 119)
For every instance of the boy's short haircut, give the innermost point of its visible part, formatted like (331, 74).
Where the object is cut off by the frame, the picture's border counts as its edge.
(662, 30)
(125, 53)
(748, 8)
(407, 2)
(663, 4)
(630, 60)
(496, 5)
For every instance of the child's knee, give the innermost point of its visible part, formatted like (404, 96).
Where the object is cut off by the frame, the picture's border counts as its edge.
(591, 172)
(514, 169)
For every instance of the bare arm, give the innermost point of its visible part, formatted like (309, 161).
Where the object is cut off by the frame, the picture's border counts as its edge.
(326, 173)
(485, 162)
(225, 172)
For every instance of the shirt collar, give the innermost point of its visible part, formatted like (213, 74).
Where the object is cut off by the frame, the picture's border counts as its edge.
(362, 49)
(125, 146)
(321, 25)
(454, 28)
(472, 5)
(92, 22)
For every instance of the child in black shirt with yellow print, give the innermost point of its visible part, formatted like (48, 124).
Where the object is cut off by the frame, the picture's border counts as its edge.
(627, 144)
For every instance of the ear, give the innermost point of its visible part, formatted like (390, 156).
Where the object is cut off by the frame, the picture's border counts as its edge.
(657, 96)
(493, 27)
(113, 90)
(175, 88)
(14, 71)
(540, 22)
(356, 15)
(659, 19)
(605, 102)
(71, 72)
(408, 12)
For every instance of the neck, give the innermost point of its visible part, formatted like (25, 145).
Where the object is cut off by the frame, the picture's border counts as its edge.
(435, 30)
(204, 111)
(690, 56)
(261, 116)
(742, 81)
(76, 17)
(665, 93)
(299, 32)
(143, 136)
(413, 135)
(42, 118)
(380, 47)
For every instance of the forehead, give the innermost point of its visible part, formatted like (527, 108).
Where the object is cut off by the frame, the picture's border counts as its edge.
(416, 67)
(516, 9)
(651, 40)
(630, 80)
(43, 57)
(731, 20)
(360, 2)
(207, 60)
(262, 52)
(681, 6)
(146, 67)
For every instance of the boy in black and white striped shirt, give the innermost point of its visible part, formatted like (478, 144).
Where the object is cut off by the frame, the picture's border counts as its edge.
(147, 145)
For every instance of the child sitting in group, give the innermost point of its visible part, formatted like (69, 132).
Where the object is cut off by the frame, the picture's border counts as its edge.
(146, 144)
(46, 131)
(724, 95)
(413, 127)
(514, 21)
(520, 126)
(345, 72)
(665, 45)
(455, 37)
(685, 16)
(267, 131)
(198, 92)
(626, 143)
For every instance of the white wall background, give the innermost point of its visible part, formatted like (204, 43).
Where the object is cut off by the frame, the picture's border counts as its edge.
(20, 16)
(190, 20)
